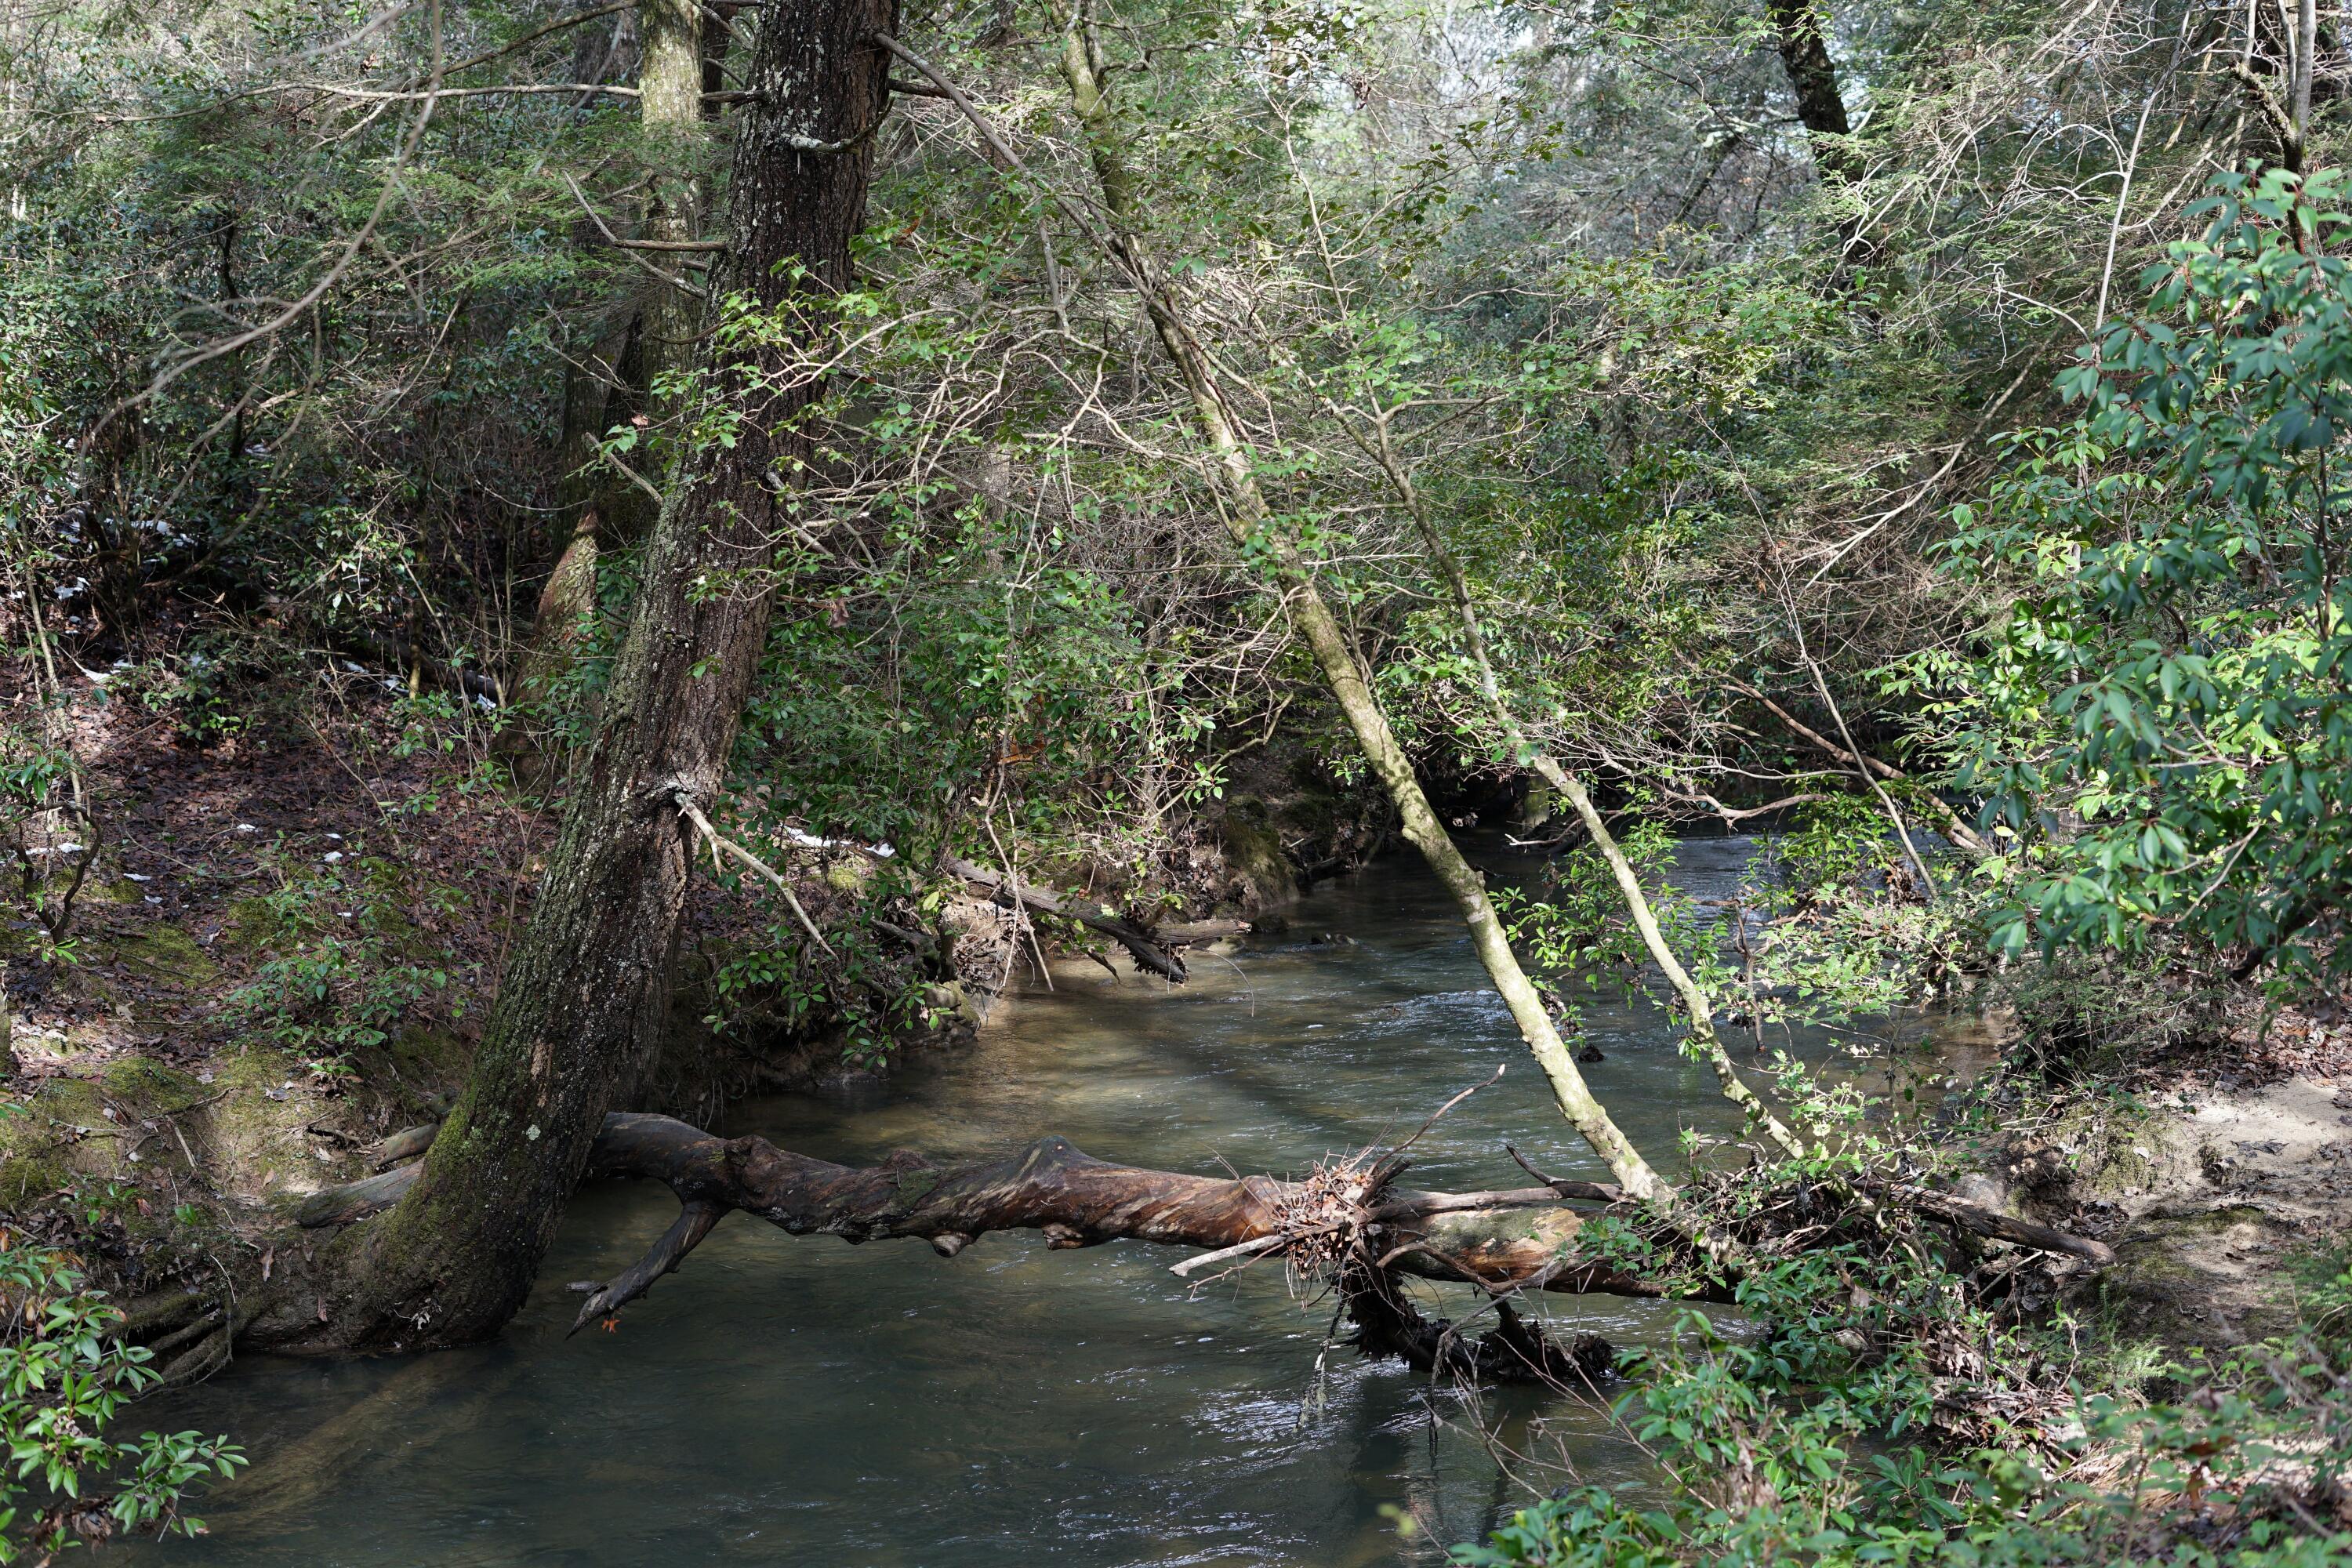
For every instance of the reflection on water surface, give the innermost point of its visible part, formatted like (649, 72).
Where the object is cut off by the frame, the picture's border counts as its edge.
(808, 1403)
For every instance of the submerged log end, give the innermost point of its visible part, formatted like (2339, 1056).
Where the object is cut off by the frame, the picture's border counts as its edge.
(694, 1221)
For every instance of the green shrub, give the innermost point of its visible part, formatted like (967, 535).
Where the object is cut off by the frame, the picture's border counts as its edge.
(63, 1377)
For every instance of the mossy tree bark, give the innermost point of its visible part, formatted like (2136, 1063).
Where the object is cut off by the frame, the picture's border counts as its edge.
(585, 1001)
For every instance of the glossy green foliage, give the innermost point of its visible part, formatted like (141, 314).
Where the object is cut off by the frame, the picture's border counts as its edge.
(64, 1374)
(1830, 1439)
(2164, 724)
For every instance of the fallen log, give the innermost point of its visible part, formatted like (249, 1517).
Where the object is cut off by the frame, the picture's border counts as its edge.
(1151, 950)
(356, 1200)
(1194, 931)
(1498, 1240)
(1347, 1226)
(1990, 1222)
(405, 1145)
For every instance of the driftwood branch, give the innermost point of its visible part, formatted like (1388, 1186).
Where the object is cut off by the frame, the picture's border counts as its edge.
(1152, 951)
(694, 1220)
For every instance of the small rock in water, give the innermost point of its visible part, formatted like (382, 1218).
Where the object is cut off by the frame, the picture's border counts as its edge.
(1589, 1055)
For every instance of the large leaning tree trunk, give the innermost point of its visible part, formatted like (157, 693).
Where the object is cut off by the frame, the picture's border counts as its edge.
(1250, 520)
(585, 1001)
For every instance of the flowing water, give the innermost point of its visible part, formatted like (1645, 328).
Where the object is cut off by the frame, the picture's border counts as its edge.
(805, 1402)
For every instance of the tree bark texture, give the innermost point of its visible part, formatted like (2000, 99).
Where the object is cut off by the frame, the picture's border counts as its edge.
(1346, 1219)
(584, 1004)
(1813, 76)
(1517, 1237)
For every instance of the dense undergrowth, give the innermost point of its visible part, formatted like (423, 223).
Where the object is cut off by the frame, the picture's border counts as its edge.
(1879, 1416)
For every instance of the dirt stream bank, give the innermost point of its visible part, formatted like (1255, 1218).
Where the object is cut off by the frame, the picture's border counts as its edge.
(2216, 1179)
(282, 950)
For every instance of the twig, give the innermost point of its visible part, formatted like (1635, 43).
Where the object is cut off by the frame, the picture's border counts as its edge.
(680, 284)
(1442, 1110)
(1245, 1249)
(693, 814)
(1599, 1192)
(1012, 880)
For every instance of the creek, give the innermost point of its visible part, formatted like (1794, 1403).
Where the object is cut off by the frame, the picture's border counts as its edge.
(804, 1401)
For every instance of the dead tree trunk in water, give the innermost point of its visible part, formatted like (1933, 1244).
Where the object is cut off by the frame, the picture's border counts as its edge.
(584, 1000)
(1347, 1225)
